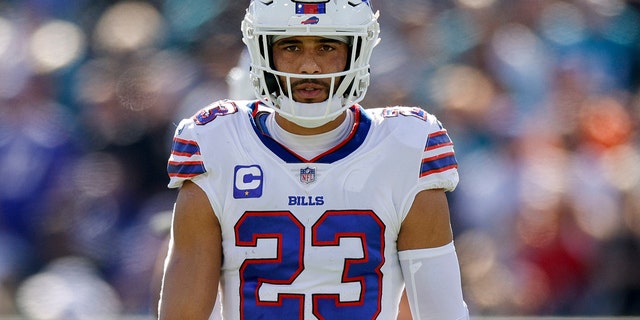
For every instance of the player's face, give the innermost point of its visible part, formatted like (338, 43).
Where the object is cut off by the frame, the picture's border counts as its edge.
(309, 55)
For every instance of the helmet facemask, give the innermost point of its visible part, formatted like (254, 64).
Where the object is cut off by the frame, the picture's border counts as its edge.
(347, 87)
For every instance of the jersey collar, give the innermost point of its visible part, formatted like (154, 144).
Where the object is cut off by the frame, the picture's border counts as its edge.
(352, 142)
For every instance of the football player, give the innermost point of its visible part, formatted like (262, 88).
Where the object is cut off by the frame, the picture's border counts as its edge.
(302, 204)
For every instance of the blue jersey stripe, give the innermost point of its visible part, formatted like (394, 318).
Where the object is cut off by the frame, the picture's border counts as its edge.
(438, 164)
(185, 169)
(185, 148)
(438, 139)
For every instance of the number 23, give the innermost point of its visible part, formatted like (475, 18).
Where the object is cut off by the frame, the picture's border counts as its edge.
(289, 263)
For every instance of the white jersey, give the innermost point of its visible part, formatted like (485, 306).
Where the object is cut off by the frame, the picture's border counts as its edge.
(311, 238)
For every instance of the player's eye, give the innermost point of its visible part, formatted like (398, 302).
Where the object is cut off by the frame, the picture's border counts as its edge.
(291, 48)
(327, 47)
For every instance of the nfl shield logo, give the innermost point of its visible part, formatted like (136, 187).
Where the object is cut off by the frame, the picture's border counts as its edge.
(307, 175)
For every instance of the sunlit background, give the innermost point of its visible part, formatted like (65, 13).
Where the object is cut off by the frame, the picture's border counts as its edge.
(541, 97)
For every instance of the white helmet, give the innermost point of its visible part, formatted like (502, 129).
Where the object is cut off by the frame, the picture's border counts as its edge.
(352, 20)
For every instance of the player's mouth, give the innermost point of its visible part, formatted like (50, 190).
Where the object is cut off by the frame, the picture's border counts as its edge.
(310, 92)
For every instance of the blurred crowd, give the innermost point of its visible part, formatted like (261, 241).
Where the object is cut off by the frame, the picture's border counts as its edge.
(541, 97)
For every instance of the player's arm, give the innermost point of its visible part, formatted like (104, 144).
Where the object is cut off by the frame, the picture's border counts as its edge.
(428, 259)
(192, 268)
(427, 223)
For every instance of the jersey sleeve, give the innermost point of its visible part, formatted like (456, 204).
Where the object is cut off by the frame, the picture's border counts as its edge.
(439, 167)
(185, 161)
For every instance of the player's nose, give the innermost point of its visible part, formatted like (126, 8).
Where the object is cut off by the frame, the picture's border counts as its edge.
(309, 64)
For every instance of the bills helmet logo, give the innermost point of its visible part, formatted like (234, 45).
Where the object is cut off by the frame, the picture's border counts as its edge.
(312, 20)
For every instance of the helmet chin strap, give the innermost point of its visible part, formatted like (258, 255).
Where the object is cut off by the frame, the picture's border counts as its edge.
(309, 115)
